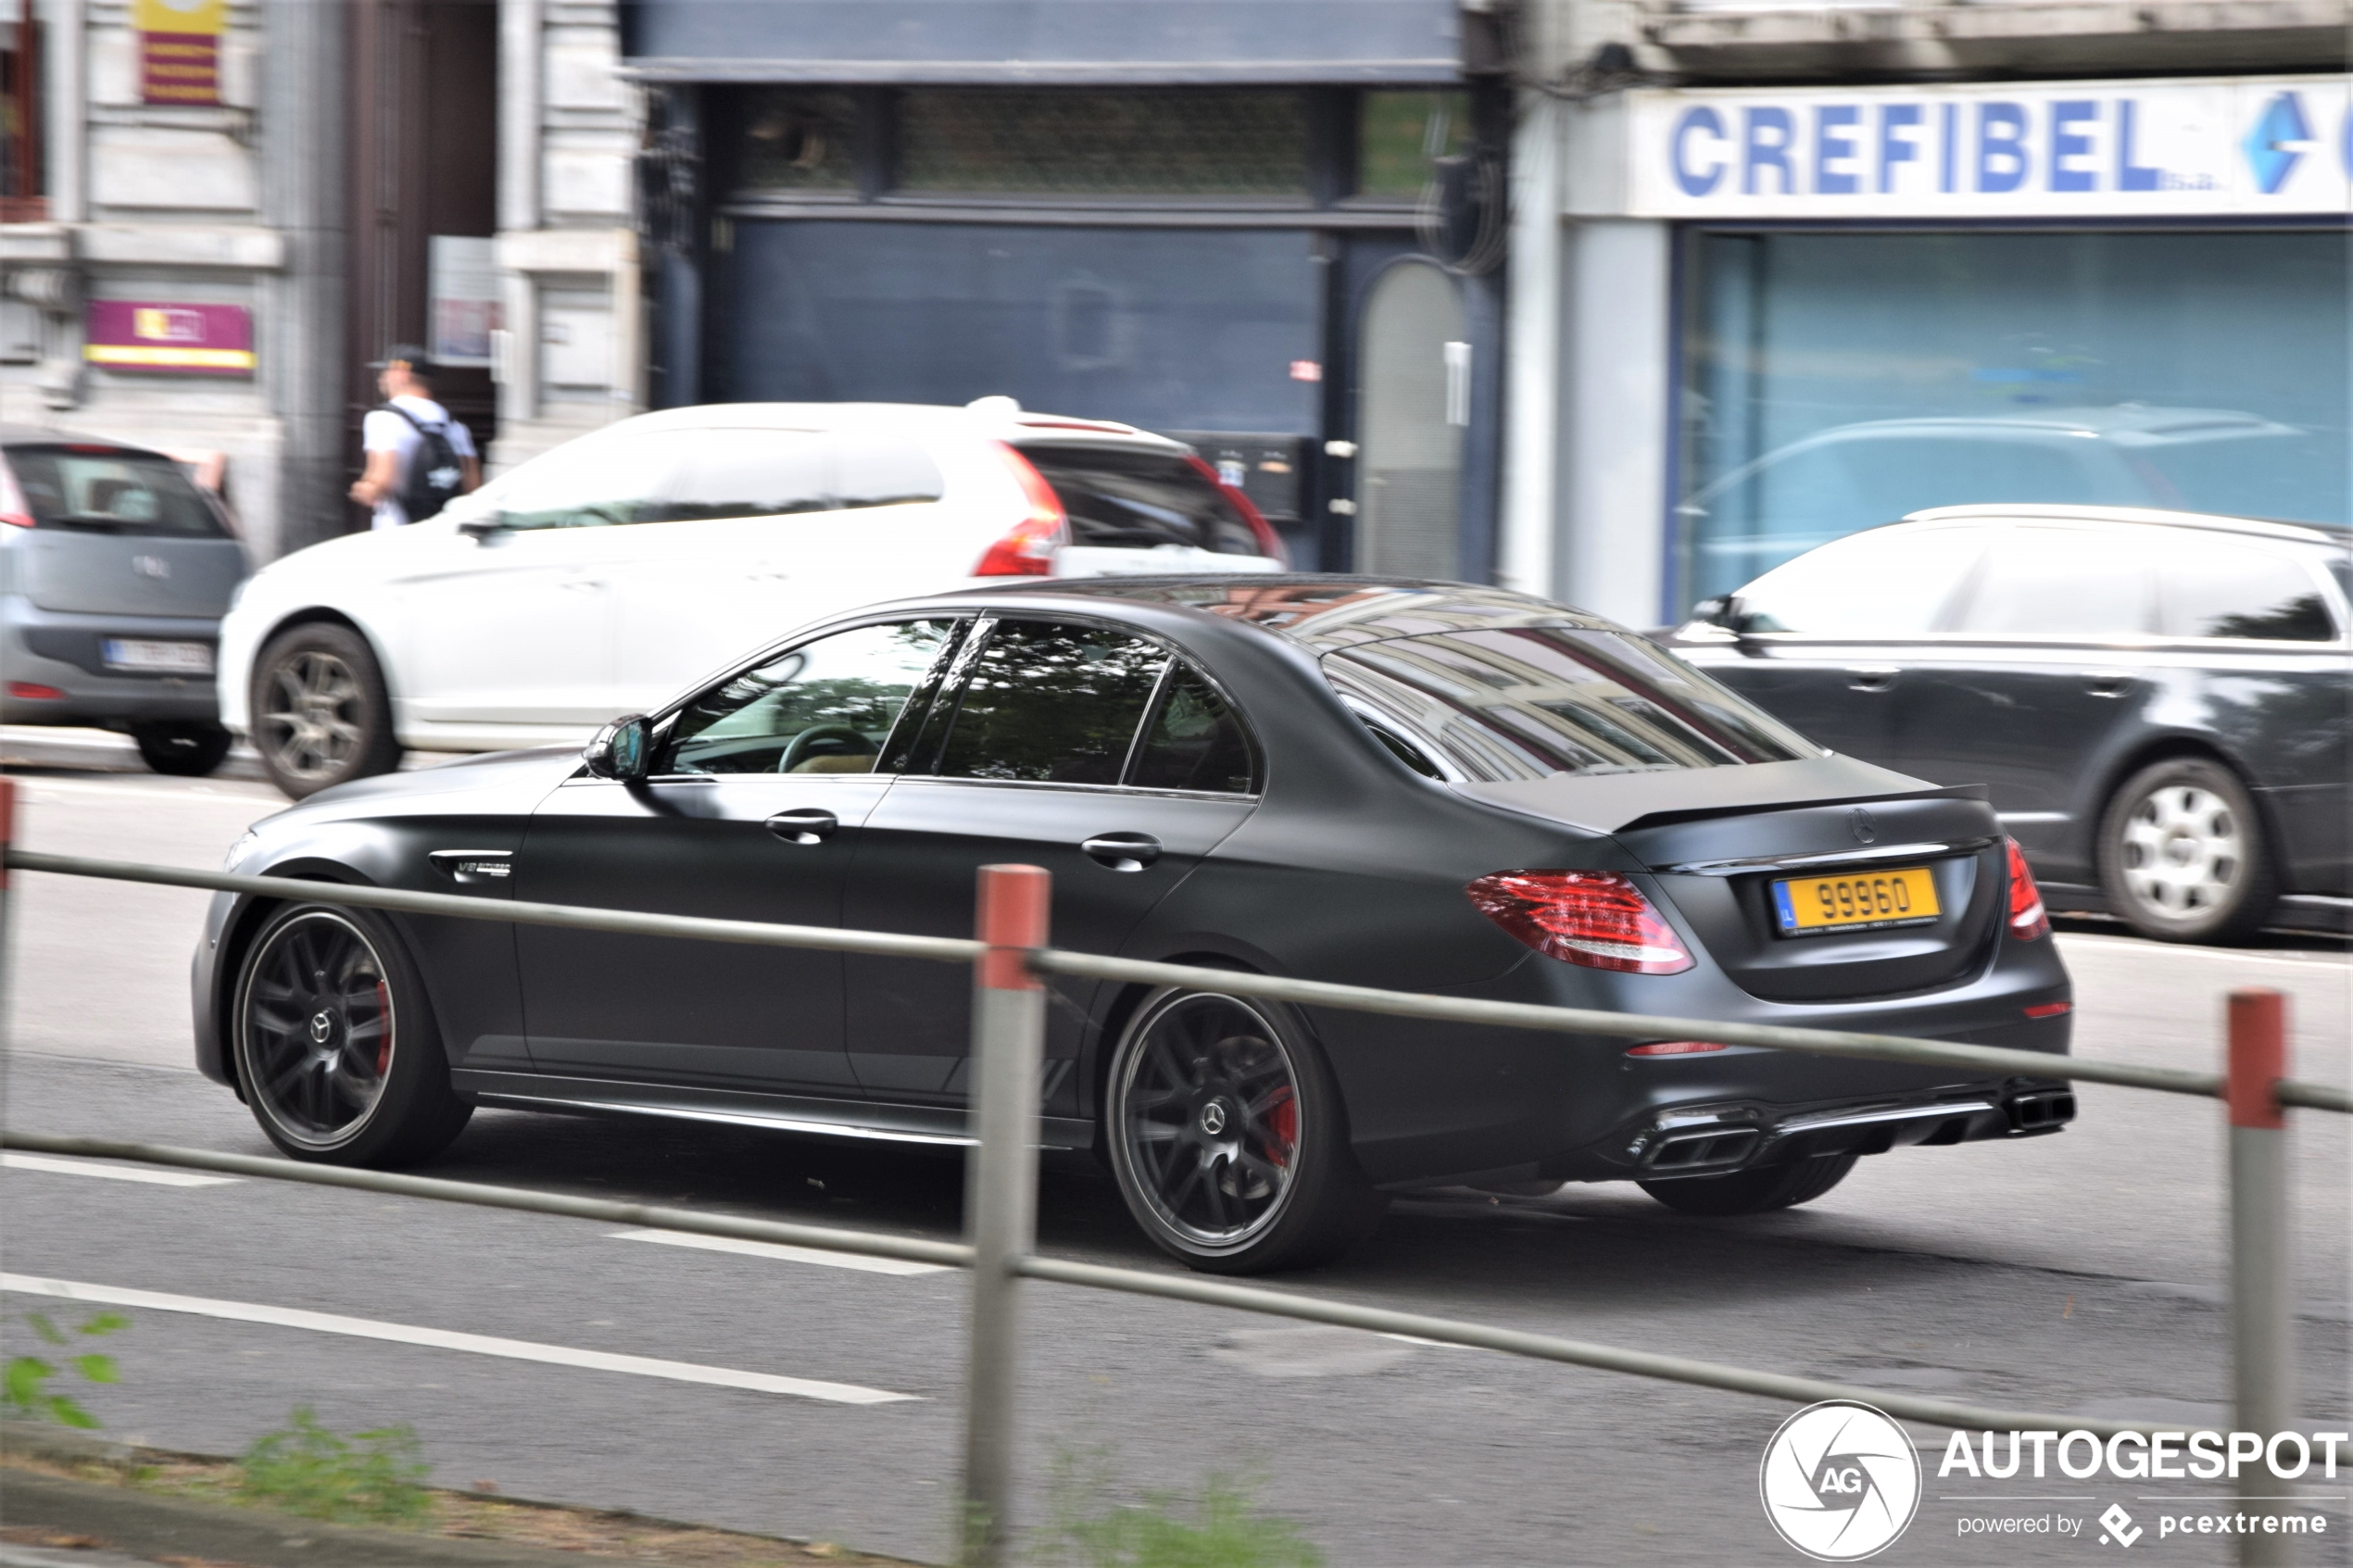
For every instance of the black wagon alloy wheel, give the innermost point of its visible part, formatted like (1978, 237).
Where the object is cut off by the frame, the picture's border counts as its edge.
(1211, 1119)
(336, 1046)
(318, 1029)
(1228, 1136)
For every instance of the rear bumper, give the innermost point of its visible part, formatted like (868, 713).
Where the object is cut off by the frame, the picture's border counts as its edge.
(61, 652)
(1436, 1105)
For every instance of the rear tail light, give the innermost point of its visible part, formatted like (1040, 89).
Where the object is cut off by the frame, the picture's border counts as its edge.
(27, 691)
(1597, 919)
(1027, 549)
(2028, 920)
(13, 511)
(1269, 542)
(1675, 1048)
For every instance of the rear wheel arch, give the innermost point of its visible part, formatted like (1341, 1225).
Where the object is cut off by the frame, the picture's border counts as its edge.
(2166, 749)
(1102, 1039)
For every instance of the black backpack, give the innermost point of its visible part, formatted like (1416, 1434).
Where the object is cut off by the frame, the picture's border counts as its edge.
(435, 474)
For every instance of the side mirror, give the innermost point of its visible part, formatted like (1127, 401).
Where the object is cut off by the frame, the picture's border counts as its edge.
(1722, 611)
(482, 524)
(622, 750)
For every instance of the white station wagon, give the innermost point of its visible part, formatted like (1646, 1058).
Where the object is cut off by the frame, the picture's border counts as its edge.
(605, 576)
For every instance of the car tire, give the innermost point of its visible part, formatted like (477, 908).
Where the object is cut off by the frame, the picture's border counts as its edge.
(1228, 1137)
(322, 713)
(182, 749)
(1755, 1192)
(2183, 854)
(335, 1047)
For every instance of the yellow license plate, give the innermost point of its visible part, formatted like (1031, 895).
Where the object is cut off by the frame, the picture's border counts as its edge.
(1806, 906)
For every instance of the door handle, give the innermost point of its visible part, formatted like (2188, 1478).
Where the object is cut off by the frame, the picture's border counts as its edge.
(581, 584)
(1871, 677)
(1122, 851)
(2107, 682)
(808, 826)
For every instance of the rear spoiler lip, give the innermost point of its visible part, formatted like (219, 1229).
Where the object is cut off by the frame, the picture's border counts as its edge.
(1613, 803)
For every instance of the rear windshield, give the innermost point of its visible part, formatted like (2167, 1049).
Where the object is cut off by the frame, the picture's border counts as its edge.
(109, 490)
(1536, 701)
(1136, 500)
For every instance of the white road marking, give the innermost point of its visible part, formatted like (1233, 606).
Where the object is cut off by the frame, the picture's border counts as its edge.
(15, 1161)
(780, 1250)
(444, 1340)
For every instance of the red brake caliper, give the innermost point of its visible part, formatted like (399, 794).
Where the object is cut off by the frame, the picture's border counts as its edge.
(1282, 1126)
(383, 1011)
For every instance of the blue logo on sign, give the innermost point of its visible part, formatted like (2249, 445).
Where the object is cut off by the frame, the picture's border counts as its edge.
(2277, 143)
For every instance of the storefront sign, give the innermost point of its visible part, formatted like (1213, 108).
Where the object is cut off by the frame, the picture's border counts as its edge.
(180, 49)
(211, 340)
(2249, 146)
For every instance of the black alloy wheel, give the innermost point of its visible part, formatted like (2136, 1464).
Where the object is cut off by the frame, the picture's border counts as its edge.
(334, 1042)
(1229, 1137)
(1755, 1192)
(321, 714)
(183, 747)
(2183, 856)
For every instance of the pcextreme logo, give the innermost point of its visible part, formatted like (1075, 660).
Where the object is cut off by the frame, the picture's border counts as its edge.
(1840, 1481)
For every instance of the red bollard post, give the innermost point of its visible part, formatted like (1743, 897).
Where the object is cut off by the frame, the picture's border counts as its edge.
(1000, 1191)
(2262, 1279)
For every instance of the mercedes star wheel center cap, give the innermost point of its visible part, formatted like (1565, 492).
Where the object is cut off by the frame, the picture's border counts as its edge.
(322, 1023)
(1213, 1117)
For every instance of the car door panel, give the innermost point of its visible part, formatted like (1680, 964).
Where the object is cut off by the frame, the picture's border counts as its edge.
(679, 1011)
(514, 627)
(1838, 695)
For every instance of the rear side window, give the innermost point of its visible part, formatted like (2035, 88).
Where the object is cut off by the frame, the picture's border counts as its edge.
(1137, 500)
(1051, 703)
(1195, 742)
(107, 489)
(2212, 587)
(2062, 583)
(1536, 701)
(1887, 582)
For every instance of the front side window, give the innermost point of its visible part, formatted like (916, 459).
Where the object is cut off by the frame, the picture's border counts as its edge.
(1535, 701)
(1137, 500)
(826, 707)
(2211, 587)
(2060, 583)
(1888, 582)
(106, 490)
(1051, 703)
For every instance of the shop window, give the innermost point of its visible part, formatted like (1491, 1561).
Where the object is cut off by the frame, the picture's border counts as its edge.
(1178, 142)
(1401, 135)
(799, 139)
(1835, 381)
(21, 200)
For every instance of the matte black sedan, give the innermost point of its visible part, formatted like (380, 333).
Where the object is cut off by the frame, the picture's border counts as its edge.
(1424, 786)
(2159, 703)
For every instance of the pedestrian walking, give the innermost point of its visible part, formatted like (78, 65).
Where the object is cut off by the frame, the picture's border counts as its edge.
(418, 458)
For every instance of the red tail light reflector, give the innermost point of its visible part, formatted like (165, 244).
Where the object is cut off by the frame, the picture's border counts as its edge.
(1597, 919)
(26, 691)
(2028, 919)
(2050, 1009)
(1675, 1048)
(1027, 549)
(1269, 542)
(13, 508)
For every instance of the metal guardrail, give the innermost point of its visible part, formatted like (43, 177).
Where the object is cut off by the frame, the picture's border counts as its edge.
(1008, 1028)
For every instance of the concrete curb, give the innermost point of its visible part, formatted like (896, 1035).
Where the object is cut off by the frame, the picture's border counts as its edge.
(35, 745)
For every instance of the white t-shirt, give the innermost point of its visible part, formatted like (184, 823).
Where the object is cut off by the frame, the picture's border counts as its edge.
(384, 431)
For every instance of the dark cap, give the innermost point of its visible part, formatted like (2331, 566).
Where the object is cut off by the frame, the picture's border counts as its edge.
(408, 356)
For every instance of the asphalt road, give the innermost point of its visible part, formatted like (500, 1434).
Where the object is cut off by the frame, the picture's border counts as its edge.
(2082, 1272)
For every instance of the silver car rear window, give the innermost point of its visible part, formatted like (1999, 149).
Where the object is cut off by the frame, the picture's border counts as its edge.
(102, 489)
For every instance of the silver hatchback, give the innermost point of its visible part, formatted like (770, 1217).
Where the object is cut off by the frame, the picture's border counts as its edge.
(115, 570)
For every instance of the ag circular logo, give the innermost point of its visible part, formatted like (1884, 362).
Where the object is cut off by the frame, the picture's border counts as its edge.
(1840, 1481)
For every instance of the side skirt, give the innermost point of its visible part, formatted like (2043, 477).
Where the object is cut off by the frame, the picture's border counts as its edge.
(781, 1113)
